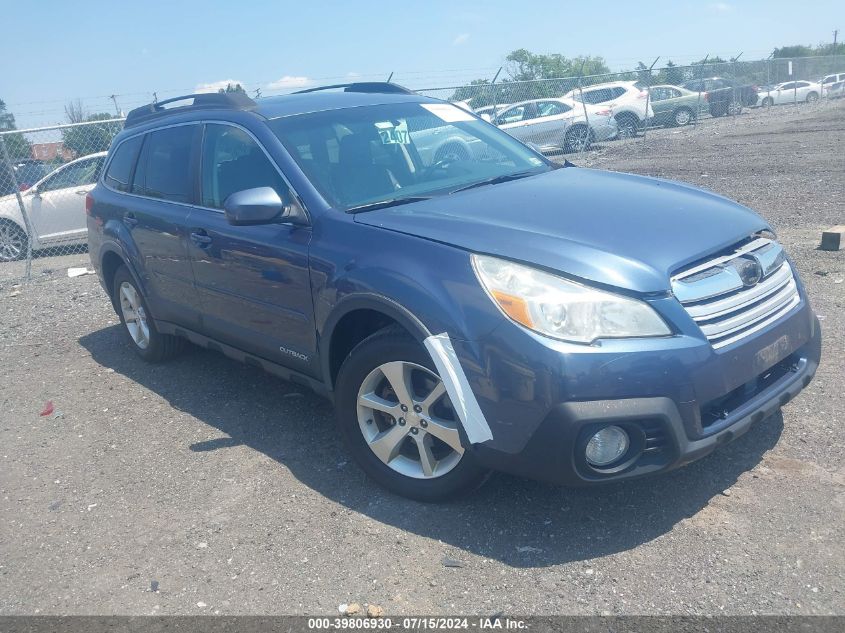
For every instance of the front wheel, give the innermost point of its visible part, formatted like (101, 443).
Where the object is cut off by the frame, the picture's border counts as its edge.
(13, 242)
(767, 102)
(734, 108)
(629, 126)
(396, 418)
(812, 97)
(137, 323)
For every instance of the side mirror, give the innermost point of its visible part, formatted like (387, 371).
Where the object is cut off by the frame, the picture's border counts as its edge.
(486, 117)
(261, 205)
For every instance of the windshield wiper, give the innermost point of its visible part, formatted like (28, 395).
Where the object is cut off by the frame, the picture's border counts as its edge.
(383, 204)
(496, 180)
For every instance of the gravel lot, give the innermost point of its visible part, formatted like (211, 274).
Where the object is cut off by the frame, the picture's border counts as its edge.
(204, 486)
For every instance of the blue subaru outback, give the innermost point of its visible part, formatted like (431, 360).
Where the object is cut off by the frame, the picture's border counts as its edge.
(467, 304)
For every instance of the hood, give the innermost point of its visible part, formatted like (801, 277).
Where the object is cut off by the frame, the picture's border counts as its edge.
(616, 229)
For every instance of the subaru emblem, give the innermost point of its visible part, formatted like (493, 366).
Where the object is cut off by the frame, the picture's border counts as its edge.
(749, 269)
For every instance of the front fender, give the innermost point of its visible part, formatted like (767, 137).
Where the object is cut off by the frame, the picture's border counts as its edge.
(427, 287)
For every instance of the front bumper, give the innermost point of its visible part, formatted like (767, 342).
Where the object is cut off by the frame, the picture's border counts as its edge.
(677, 397)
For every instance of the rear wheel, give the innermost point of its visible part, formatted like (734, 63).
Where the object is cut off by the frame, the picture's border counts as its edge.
(682, 117)
(577, 139)
(398, 422)
(137, 323)
(812, 97)
(628, 124)
(13, 241)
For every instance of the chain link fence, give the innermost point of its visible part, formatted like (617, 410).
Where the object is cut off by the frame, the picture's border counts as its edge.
(46, 173)
(45, 176)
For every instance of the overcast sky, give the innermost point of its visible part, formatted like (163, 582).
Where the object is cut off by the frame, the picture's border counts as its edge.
(53, 51)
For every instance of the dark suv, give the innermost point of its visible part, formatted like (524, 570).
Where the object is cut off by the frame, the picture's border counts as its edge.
(492, 310)
(724, 96)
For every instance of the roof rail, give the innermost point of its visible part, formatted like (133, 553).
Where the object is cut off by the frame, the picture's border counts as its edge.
(363, 86)
(204, 101)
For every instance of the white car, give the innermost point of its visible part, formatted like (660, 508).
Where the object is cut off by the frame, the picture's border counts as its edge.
(835, 90)
(627, 101)
(557, 123)
(829, 81)
(55, 206)
(790, 92)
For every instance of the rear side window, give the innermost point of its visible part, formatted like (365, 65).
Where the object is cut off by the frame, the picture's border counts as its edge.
(119, 174)
(164, 169)
(232, 161)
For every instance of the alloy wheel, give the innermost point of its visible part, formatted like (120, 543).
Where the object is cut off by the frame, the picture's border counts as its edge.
(407, 420)
(683, 117)
(12, 242)
(578, 139)
(134, 315)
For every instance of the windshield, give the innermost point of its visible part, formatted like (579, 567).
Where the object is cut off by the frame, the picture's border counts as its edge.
(356, 157)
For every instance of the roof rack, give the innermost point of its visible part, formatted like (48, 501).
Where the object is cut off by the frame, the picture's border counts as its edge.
(204, 101)
(384, 87)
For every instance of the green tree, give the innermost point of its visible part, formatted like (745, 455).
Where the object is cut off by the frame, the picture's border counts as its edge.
(523, 65)
(232, 88)
(16, 144)
(87, 139)
(671, 74)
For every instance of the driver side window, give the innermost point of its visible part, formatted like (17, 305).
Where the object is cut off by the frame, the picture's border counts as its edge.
(232, 161)
(78, 174)
(513, 115)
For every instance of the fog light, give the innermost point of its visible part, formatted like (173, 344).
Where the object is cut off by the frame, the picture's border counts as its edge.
(607, 446)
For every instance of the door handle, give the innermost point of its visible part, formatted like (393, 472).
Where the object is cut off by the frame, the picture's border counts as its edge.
(200, 238)
(81, 192)
(130, 220)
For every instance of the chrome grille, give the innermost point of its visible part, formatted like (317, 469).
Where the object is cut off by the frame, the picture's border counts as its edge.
(737, 294)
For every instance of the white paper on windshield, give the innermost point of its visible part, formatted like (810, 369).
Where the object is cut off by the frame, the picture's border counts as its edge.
(391, 134)
(447, 112)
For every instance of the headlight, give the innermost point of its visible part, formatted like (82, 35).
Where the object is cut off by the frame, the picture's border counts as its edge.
(562, 309)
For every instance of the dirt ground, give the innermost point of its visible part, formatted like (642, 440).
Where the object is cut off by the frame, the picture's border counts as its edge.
(204, 486)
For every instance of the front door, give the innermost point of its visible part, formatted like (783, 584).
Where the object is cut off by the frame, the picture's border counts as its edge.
(253, 281)
(57, 204)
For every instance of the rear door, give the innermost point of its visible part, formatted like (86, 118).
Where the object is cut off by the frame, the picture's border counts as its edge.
(156, 216)
(253, 280)
(548, 128)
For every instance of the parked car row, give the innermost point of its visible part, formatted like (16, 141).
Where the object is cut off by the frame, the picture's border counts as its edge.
(621, 109)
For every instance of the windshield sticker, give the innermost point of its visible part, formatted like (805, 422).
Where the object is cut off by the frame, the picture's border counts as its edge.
(447, 112)
(391, 134)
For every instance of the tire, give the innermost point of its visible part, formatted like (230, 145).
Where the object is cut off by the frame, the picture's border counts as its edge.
(812, 97)
(682, 117)
(138, 325)
(402, 436)
(13, 241)
(767, 102)
(629, 126)
(577, 139)
(734, 108)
